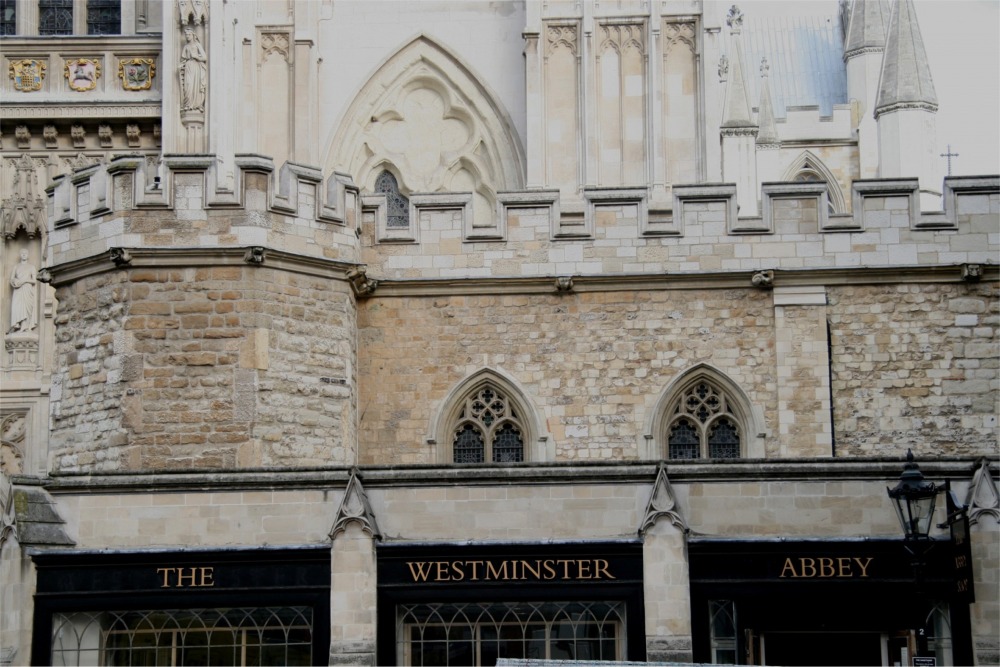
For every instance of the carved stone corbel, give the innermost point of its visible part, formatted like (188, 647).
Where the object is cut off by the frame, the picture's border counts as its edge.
(360, 283)
(564, 284)
(120, 256)
(355, 507)
(255, 255)
(662, 502)
(763, 279)
(972, 272)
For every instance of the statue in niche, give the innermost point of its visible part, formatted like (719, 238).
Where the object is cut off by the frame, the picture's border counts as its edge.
(193, 73)
(22, 300)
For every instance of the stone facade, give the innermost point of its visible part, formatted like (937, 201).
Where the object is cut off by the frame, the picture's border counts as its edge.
(273, 291)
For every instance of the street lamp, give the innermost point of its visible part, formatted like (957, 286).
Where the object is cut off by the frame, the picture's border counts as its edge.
(914, 498)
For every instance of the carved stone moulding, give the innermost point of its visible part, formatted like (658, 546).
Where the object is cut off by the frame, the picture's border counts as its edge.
(22, 351)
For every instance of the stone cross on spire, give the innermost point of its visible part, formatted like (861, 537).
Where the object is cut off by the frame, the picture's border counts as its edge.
(949, 155)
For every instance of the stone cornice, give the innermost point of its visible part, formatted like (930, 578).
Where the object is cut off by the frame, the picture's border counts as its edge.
(678, 281)
(817, 470)
(79, 111)
(903, 106)
(154, 258)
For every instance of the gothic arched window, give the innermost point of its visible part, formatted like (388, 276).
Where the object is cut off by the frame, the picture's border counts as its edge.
(488, 428)
(701, 423)
(397, 206)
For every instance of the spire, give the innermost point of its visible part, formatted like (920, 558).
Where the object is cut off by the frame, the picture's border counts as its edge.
(866, 27)
(736, 112)
(905, 81)
(768, 133)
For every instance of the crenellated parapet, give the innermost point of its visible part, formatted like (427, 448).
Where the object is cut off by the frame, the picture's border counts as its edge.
(120, 205)
(620, 231)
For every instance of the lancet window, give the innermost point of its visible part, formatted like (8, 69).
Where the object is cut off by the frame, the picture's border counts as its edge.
(397, 206)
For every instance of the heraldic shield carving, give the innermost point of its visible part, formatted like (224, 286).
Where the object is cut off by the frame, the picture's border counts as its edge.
(82, 74)
(137, 73)
(27, 75)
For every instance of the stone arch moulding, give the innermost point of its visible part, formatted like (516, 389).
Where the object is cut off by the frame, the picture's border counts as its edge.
(807, 161)
(751, 417)
(424, 84)
(538, 443)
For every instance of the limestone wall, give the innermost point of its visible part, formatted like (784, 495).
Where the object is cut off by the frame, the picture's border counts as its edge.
(915, 366)
(203, 367)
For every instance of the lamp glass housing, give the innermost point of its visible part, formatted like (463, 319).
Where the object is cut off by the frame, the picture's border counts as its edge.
(914, 499)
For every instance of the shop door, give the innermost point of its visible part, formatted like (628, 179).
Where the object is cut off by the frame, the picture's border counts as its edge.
(821, 648)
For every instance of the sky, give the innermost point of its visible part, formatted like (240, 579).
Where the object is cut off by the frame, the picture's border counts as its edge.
(962, 41)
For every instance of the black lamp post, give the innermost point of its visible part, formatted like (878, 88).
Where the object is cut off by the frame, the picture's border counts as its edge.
(914, 498)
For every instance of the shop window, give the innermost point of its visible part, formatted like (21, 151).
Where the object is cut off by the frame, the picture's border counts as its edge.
(250, 636)
(482, 633)
(488, 429)
(702, 424)
(722, 621)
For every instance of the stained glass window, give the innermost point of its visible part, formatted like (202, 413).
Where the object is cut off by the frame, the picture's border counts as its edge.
(55, 17)
(488, 429)
(398, 206)
(702, 424)
(8, 17)
(104, 17)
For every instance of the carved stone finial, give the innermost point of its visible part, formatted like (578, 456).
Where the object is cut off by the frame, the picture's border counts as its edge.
(972, 272)
(723, 68)
(120, 256)
(763, 279)
(734, 19)
(255, 255)
(764, 67)
(564, 284)
(355, 507)
(983, 498)
(662, 502)
(361, 283)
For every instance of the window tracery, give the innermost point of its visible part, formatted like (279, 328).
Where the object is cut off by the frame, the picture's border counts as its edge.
(702, 424)
(488, 428)
(397, 206)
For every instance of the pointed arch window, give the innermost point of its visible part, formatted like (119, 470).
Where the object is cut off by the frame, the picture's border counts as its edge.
(488, 428)
(703, 424)
(810, 176)
(397, 206)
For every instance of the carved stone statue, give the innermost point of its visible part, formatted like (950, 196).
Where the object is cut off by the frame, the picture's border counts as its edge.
(22, 300)
(193, 73)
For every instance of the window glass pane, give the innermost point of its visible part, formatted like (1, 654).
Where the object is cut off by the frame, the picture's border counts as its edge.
(55, 17)
(184, 637)
(469, 446)
(508, 447)
(8, 17)
(104, 17)
(398, 206)
(684, 442)
(723, 440)
(482, 633)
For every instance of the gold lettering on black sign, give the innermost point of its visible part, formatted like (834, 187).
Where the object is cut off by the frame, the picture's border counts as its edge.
(575, 569)
(186, 577)
(841, 567)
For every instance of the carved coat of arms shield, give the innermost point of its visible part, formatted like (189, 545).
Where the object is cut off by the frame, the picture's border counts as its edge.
(137, 73)
(82, 74)
(27, 75)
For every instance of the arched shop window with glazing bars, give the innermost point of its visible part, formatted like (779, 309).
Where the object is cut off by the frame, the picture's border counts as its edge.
(481, 633)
